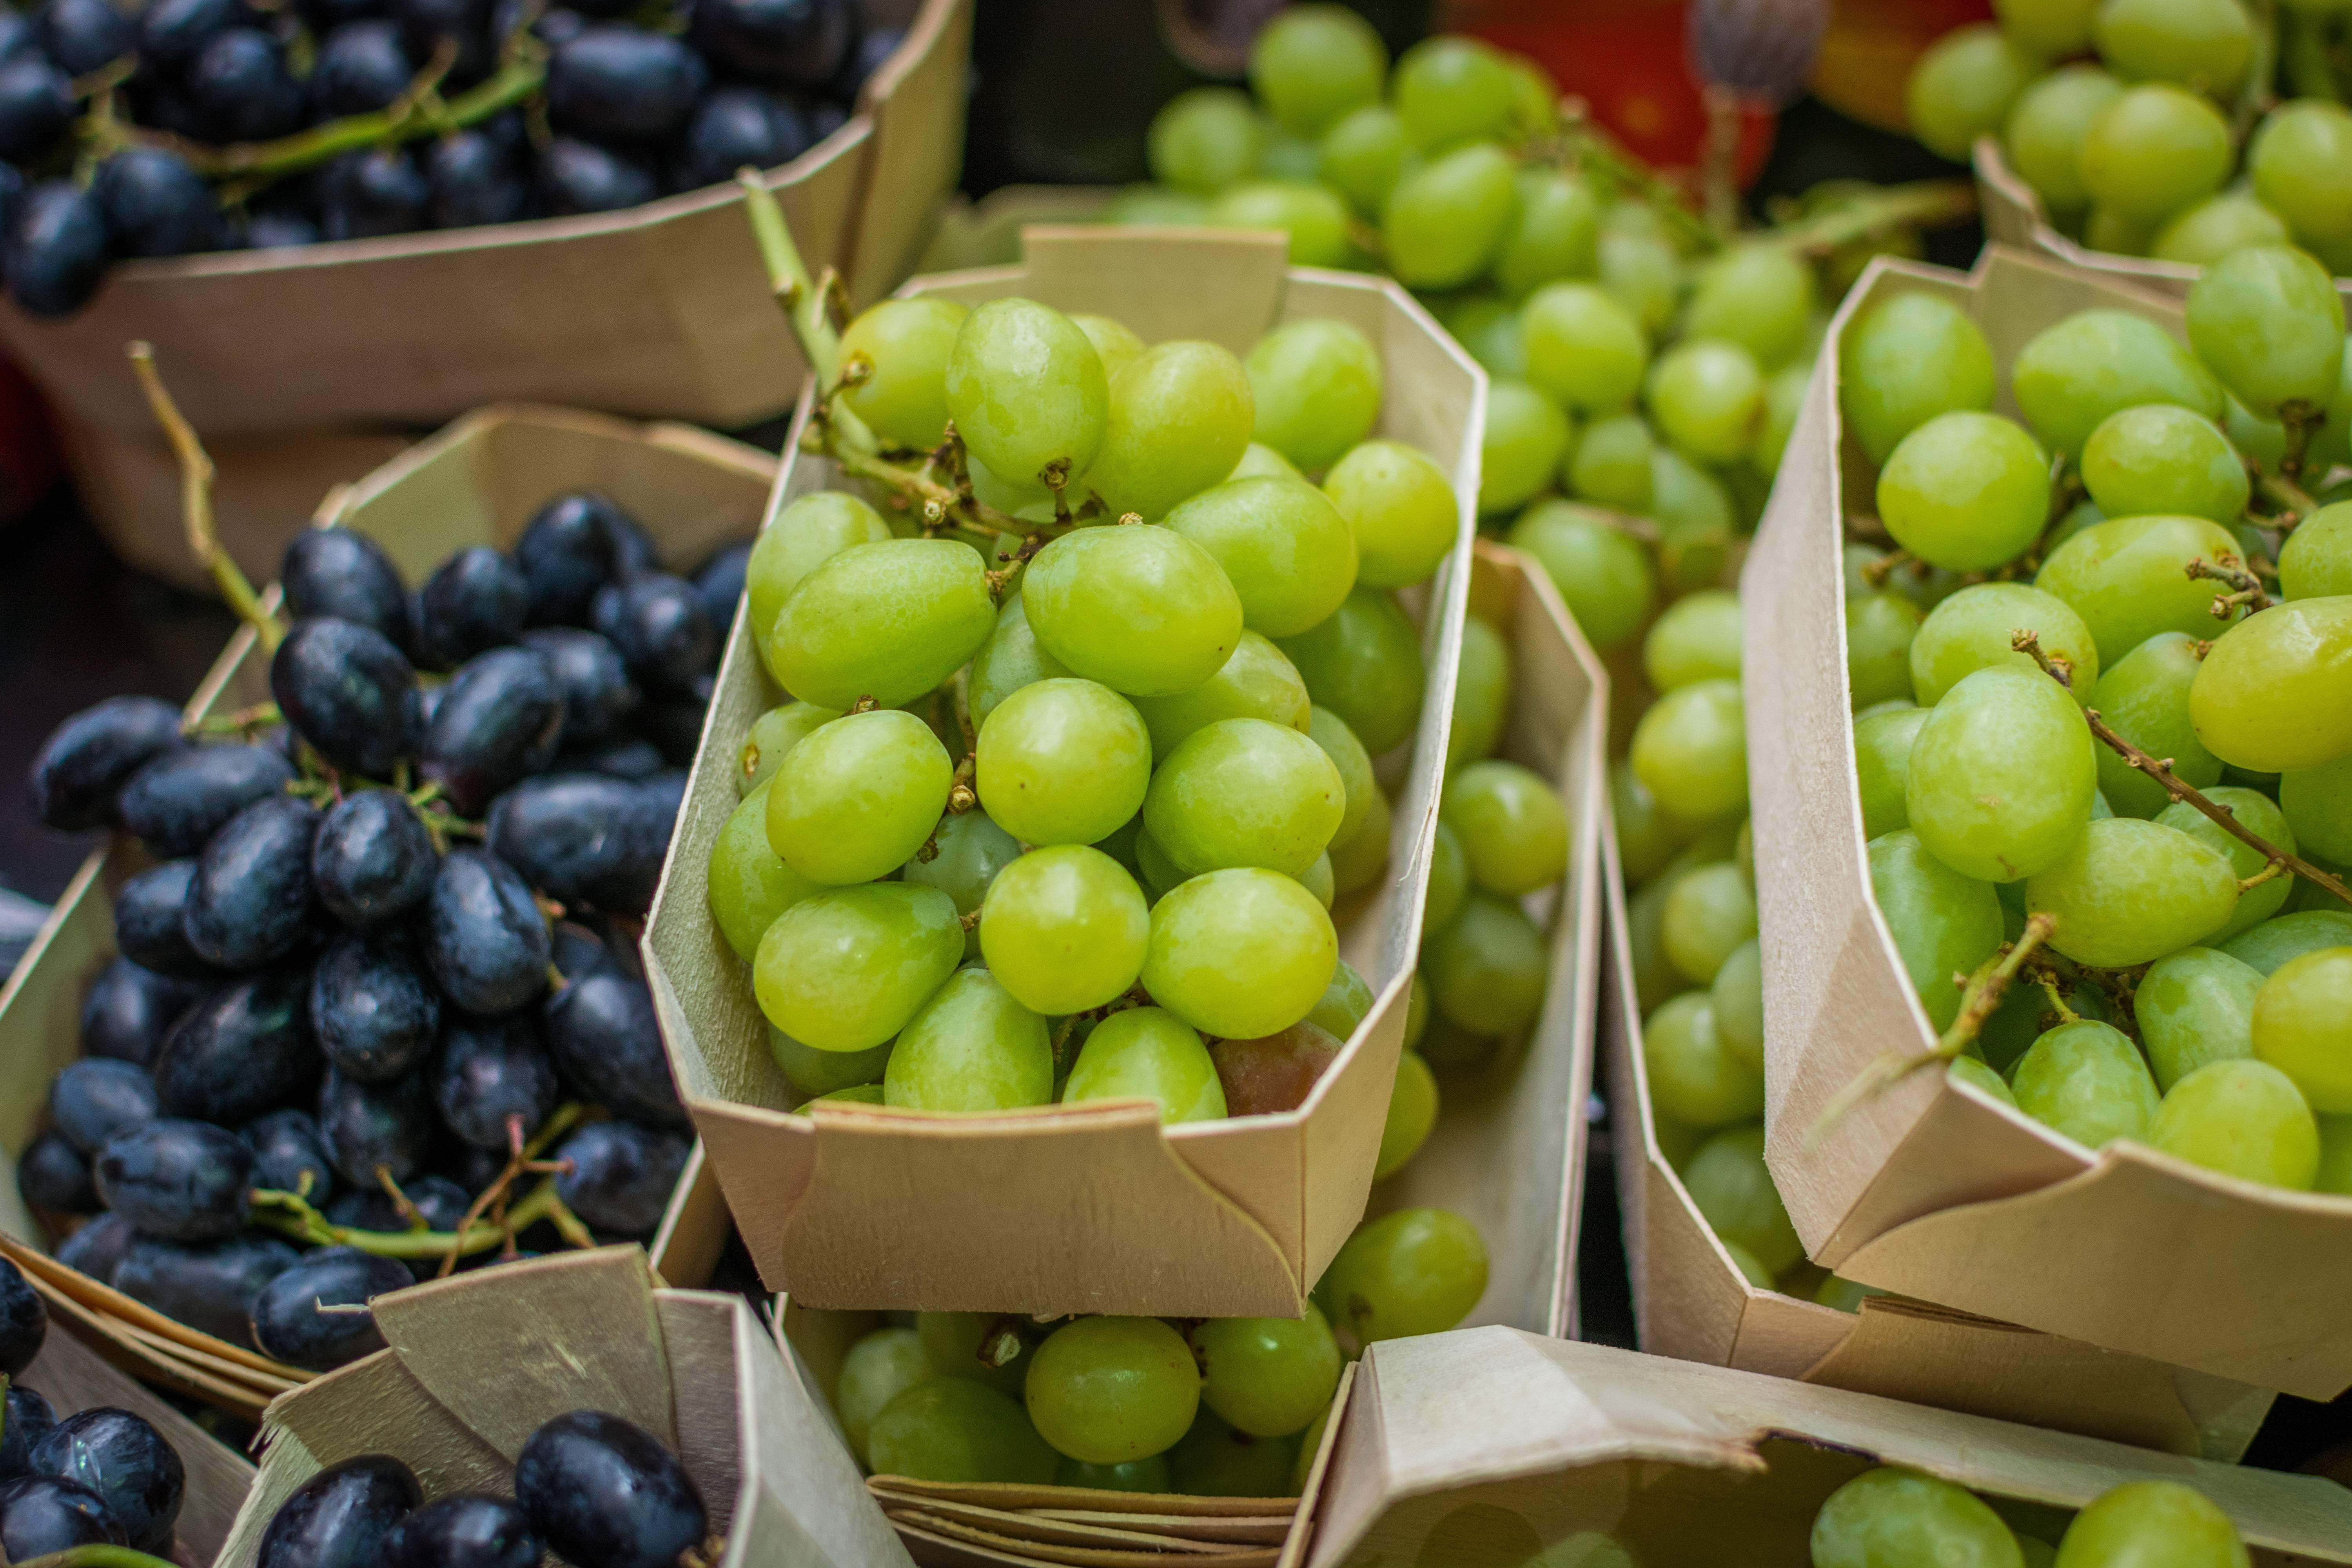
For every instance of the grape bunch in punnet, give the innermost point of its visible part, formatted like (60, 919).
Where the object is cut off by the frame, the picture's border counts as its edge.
(2181, 130)
(2100, 657)
(1892, 1514)
(376, 1010)
(1079, 750)
(1206, 1408)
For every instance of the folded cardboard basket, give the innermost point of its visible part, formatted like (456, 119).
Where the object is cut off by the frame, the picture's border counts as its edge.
(1090, 1208)
(1930, 1189)
(478, 482)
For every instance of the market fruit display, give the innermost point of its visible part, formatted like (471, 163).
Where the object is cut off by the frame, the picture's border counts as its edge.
(206, 125)
(376, 1007)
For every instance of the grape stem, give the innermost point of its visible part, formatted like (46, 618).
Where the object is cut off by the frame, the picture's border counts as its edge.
(196, 502)
(2294, 502)
(522, 1157)
(1719, 182)
(2271, 868)
(1922, 204)
(2247, 587)
(294, 1217)
(1877, 572)
(2172, 783)
(2042, 973)
(2301, 422)
(796, 291)
(1586, 144)
(261, 716)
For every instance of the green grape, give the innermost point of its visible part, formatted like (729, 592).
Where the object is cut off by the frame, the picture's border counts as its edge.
(1642, 273)
(971, 1047)
(1364, 156)
(1963, 88)
(1449, 90)
(823, 1074)
(2151, 1523)
(1141, 609)
(1144, 1053)
(2201, 235)
(1489, 329)
(953, 1429)
(2302, 1026)
(1695, 1077)
(1109, 1390)
(1400, 508)
(1751, 1267)
(1784, 400)
(1204, 140)
(1513, 828)
(1602, 573)
(1737, 994)
(1610, 464)
(1344, 1004)
(1760, 297)
(2300, 161)
(2001, 775)
(1446, 221)
(1242, 791)
(2275, 692)
(2044, 135)
(889, 620)
(1482, 695)
(2128, 579)
(1965, 492)
(1697, 638)
(2086, 1081)
(1285, 549)
(1319, 881)
(1710, 913)
(1363, 663)
(1292, 162)
(1063, 762)
(2195, 1007)
(857, 797)
(1882, 756)
(1318, 386)
(1555, 235)
(1727, 1181)
(1314, 219)
(1256, 682)
(2071, 376)
(2265, 820)
(2316, 560)
(1980, 1077)
(2203, 43)
(1881, 632)
(1690, 750)
(1261, 461)
(878, 1369)
(1156, 205)
(1357, 859)
(1971, 630)
(1521, 445)
(2244, 1118)
(1347, 755)
(2287, 937)
(1150, 1476)
(1412, 1111)
(1010, 660)
(2317, 803)
(1212, 1459)
(1179, 418)
(2152, 151)
(2269, 322)
(1267, 1376)
(2119, 234)
(2145, 699)
(2160, 458)
(1416, 1013)
(1485, 967)
(805, 534)
(1065, 929)
(1415, 1271)
(1584, 349)
(1890, 1516)
(1312, 64)
(1159, 873)
(1708, 398)
(1027, 391)
(2335, 1156)
(774, 735)
(1239, 954)
(1943, 923)
(903, 397)
(750, 884)
(1647, 838)
(985, 1348)
(2129, 892)
(1115, 342)
(1535, 97)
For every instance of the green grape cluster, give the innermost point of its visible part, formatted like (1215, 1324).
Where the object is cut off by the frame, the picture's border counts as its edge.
(1891, 1514)
(2093, 585)
(2134, 121)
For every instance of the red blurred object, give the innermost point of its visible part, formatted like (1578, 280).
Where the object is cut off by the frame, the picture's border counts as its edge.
(1627, 59)
(29, 464)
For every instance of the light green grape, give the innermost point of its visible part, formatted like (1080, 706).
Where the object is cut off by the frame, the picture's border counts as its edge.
(1890, 1516)
(1446, 221)
(1116, 343)
(1881, 632)
(1156, 205)
(2202, 43)
(2128, 579)
(982, 1347)
(1256, 682)
(2159, 459)
(2145, 699)
(1642, 273)
(1784, 399)
(1555, 235)
(1267, 1376)
(1449, 90)
(2044, 135)
(1943, 921)
(1584, 349)
(1179, 418)
(1708, 398)
(1690, 750)
(1357, 859)
(2195, 1007)
(1412, 1112)
(1026, 391)
(1318, 386)
(1971, 631)
(2287, 937)
(2154, 151)
(1521, 445)
(1695, 1077)
(1647, 838)
(903, 397)
(1261, 461)
(2315, 813)
(2152, 1522)
(878, 1369)
(1109, 1390)
(1415, 1271)
(1312, 64)
(1010, 660)
(1758, 297)
(2129, 892)
(2244, 1118)
(1242, 791)
(1320, 880)
(1882, 754)
(1344, 1004)
(1313, 218)
(750, 884)
(1737, 997)
(804, 535)
(1290, 161)
(1963, 87)
(1150, 1476)
(1239, 954)
(1602, 573)
(1400, 508)
(1204, 140)
(1965, 492)
(2302, 1026)
(971, 1047)
(1141, 609)
(2070, 377)
(1482, 695)
(1709, 914)
(1063, 762)
(2300, 161)
(2316, 560)
(1981, 1078)
(1610, 464)
(2001, 775)
(1727, 1181)
(1347, 755)
(2262, 817)
(821, 1074)
(1363, 154)
(2269, 322)
(1212, 1459)
(2201, 235)
(953, 1429)
(2086, 1081)
(1489, 329)
(1485, 967)
(1143, 1053)
(2335, 1156)
(857, 797)
(774, 735)
(1065, 929)
(1285, 549)
(2275, 692)
(1513, 828)
(1363, 663)
(889, 620)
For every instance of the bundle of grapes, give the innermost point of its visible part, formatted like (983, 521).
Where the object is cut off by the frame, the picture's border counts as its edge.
(376, 1010)
(1130, 762)
(1582, 1454)
(2101, 780)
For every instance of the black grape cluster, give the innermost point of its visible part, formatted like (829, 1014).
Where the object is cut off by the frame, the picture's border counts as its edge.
(98, 1478)
(609, 113)
(359, 993)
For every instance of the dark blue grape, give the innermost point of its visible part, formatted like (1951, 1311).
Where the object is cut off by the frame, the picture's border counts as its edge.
(88, 759)
(83, 35)
(211, 1286)
(273, 231)
(177, 803)
(566, 553)
(618, 83)
(476, 601)
(604, 1493)
(375, 1009)
(123, 1460)
(736, 128)
(343, 573)
(53, 1176)
(624, 758)
(863, 58)
(582, 839)
(440, 1201)
(249, 902)
(24, 1320)
(576, 176)
(156, 205)
(349, 692)
(426, 24)
(474, 180)
(97, 1248)
(491, 1071)
(240, 89)
(578, 950)
(659, 624)
(620, 1174)
(486, 940)
(340, 1516)
(286, 1150)
(467, 1530)
(130, 1009)
(362, 68)
(602, 1031)
(19, 38)
(150, 924)
(665, 794)
(373, 860)
(287, 1325)
(368, 1128)
(172, 32)
(40, 1514)
(788, 43)
(95, 1101)
(241, 1052)
(501, 719)
(27, 1420)
(719, 581)
(635, 553)
(366, 195)
(177, 1181)
(56, 255)
(598, 694)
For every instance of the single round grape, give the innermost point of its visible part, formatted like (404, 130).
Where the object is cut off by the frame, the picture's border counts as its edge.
(1943, 923)
(1313, 218)
(2145, 699)
(1143, 1053)
(889, 620)
(1026, 391)
(821, 1074)
(1256, 683)
(1153, 204)
(2159, 459)
(1881, 630)
(1556, 233)
(859, 796)
(1400, 508)
(903, 397)
(1358, 860)
(2070, 377)
(2128, 580)
(1344, 1004)
(2269, 322)
(1148, 1476)
(1784, 399)
(2316, 560)
(749, 883)
(1239, 954)
(971, 1047)
(1647, 837)
(2195, 1007)
(1482, 694)
(1489, 329)
(2043, 134)
(2302, 1026)
(2289, 936)
(2001, 775)
(1139, 608)
(1445, 221)
(878, 1368)
(2151, 1522)
(1242, 791)
(1449, 89)
(1204, 140)
(2262, 817)
(2300, 161)
(2275, 692)
(1010, 660)
(844, 969)
(1737, 997)
(805, 534)
(1963, 87)
(1065, 929)
(953, 1429)
(1695, 1078)
(1115, 342)
(1412, 1112)
(2202, 43)
(1415, 1271)
(2201, 235)
(1110, 1390)
(2316, 807)
(2154, 151)
(1882, 754)
(1449, 879)
(1179, 418)
(1602, 573)
(1063, 762)
(1758, 297)
(2118, 234)
(1285, 549)
(1363, 154)
(1312, 64)
(1708, 398)
(1267, 1376)
(1513, 828)
(1292, 160)
(1584, 349)
(1965, 492)
(1610, 464)
(1522, 443)
(1889, 1515)
(1697, 638)
(2085, 1079)
(774, 735)
(1363, 663)
(2335, 1156)
(967, 852)
(1642, 273)
(2129, 892)
(1971, 630)
(1316, 382)
(1709, 914)
(1485, 968)
(982, 1347)
(1726, 1179)
(2243, 1119)
(1347, 755)
(1690, 750)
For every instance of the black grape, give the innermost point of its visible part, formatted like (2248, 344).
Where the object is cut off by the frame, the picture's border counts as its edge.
(489, 1071)
(208, 1286)
(661, 628)
(241, 89)
(372, 860)
(501, 719)
(342, 573)
(27, 1420)
(375, 1009)
(97, 1248)
(177, 801)
(369, 1127)
(632, 760)
(720, 580)
(604, 1493)
(789, 43)
(598, 693)
(620, 1174)
(242, 1051)
(566, 553)
(622, 84)
(96, 1099)
(602, 1032)
(286, 1148)
(735, 128)
(156, 205)
(425, 24)
(177, 1181)
(467, 1530)
(129, 1008)
(36, 105)
(54, 1177)
(172, 32)
(40, 1514)
(485, 941)
(366, 195)
(88, 759)
(474, 601)
(24, 1320)
(582, 837)
(151, 923)
(289, 1326)
(349, 692)
(340, 1516)
(474, 180)
(361, 68)
(249, 902)
(123, 1460)
(576, 176)
(55, 254)
(83, 35)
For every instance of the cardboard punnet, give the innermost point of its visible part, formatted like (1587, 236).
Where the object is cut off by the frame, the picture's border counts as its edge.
(478, 482)
(1093, 1208)
(1491, 1446)
(1929, 1188)
(298, 365)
